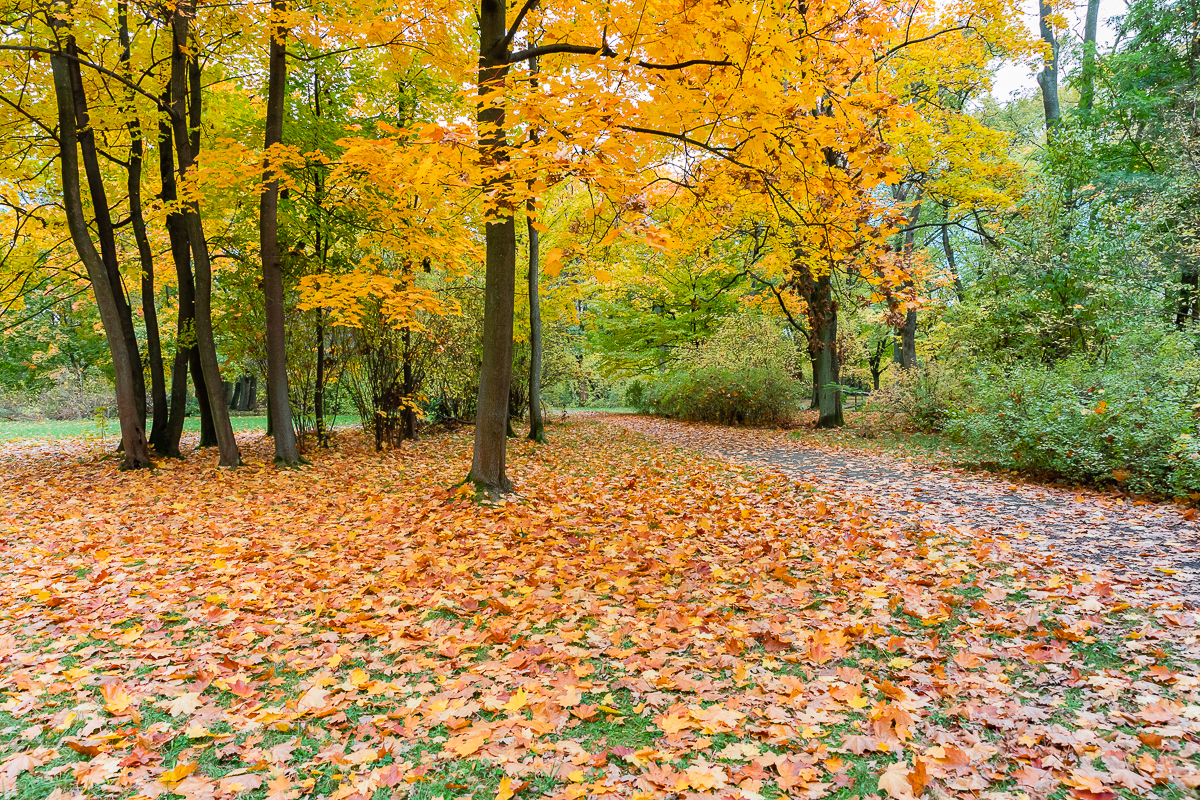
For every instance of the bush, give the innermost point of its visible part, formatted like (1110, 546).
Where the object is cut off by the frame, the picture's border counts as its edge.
(635, 394)
(744, 396)
(78, 399)
(925, 397)
(748, 341)
(1134, 424)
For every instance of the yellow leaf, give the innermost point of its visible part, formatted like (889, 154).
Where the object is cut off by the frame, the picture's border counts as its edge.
(116, 699)
(180, 772)
(506, 790)
(185, 704)
(468, 746)
(894, 781)
(553, 264)
(313, 700)
(517, 701)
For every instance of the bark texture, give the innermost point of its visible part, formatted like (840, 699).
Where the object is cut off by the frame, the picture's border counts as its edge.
(1048, 78)
(287, 451)
(185, 80)
(133, 433)
(537, 426)
(495, 374)
(137, 221)
(1087, 69)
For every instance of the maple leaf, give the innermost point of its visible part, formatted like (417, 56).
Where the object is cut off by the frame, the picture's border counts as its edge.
(316, 699)
(677, 720)
(717, 718)
(279, 788)
(793, 773)
(20, 762)
(918, 777)
(739, 751)
(97, 771)
(184, 705)
(1032, 777)
(894, 781)
(116, 699)
(282, 752)
(468, 745)
(858, 744)
(240, 781)
(1087, 779)
(585, 711)
(178, 772)
(703, 776)
(517, 701)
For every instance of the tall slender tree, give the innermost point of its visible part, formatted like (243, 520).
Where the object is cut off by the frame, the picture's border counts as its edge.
(183, 66)
(287, 451)
(125, 366)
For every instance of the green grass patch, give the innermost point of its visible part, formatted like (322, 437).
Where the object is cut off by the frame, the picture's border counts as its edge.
(60, 429)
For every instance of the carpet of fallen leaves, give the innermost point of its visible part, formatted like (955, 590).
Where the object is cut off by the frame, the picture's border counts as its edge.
(1150, 548)
(637, 622)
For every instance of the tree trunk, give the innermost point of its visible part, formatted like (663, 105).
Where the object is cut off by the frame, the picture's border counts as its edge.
(185, 329)
(816, 384)
(495, 374)
(319, 388)
(959, 291)
(158, 388)
(105, 233)
(908, 331)
(410, 390)
(823, 319)
(1189, 294)
(908, 340)
(208, 428)
(1087, 70)
(537, 426)
(1048, 78)
(133, 433)
(287, 452)
(183, 77)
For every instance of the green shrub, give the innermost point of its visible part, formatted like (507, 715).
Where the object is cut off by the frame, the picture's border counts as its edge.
(1134, 423)
(746, 341)
(635, 395)
(744, 396)
(924, 397)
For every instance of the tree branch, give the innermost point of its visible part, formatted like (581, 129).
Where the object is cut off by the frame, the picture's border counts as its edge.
(84, 63)
(512, 31)
(607, 52)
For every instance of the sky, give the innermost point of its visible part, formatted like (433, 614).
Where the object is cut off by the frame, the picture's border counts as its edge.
(1014, 77)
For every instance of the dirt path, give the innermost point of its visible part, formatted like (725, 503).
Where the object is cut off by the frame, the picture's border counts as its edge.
(1152, 547)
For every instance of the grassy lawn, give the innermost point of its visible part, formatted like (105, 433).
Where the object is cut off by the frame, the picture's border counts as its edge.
(58, 429)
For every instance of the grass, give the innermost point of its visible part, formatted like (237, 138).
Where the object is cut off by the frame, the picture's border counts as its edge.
(61, 429)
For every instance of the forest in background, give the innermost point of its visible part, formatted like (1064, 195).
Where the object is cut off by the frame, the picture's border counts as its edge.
(460, 214)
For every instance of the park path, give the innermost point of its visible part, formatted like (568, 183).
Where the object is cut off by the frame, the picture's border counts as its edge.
(1152, 548)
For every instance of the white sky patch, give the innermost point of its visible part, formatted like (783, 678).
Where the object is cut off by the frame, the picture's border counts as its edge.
(1018, 78)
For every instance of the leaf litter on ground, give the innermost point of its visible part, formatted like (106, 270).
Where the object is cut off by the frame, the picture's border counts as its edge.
(638, 622)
